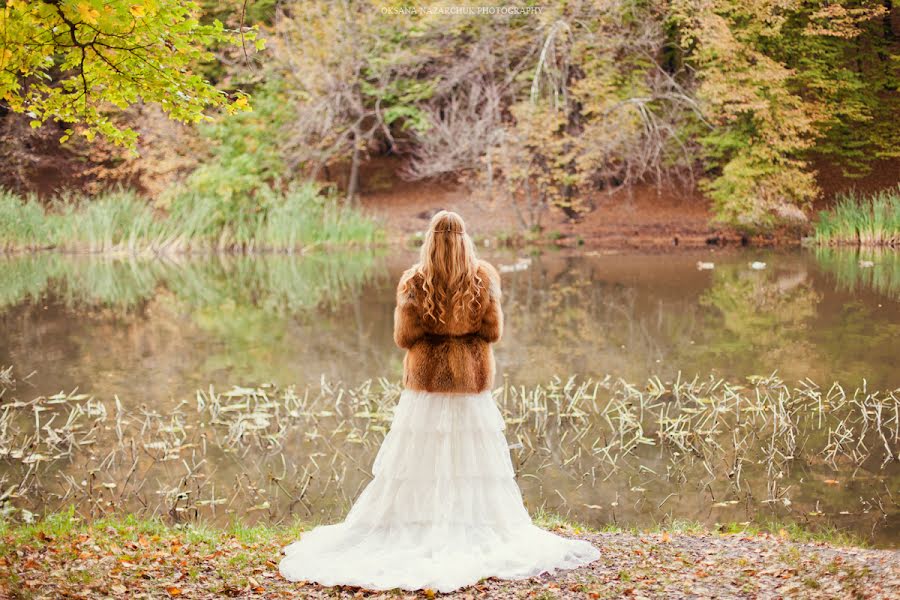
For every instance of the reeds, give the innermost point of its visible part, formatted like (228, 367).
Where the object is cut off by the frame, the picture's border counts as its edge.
(861, 221)
(602, 450)
(23, 223)
(120, 222)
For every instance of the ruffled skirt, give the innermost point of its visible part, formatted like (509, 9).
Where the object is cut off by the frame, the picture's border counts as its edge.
(442, 512)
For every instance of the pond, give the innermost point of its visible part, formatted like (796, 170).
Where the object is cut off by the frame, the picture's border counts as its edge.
(698, 394)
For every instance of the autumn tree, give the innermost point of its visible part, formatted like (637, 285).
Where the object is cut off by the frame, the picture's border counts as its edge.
(76, 61)
(353, 75)
(781, 82)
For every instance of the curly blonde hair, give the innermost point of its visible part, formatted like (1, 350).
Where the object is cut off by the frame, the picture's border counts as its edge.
(448, 266)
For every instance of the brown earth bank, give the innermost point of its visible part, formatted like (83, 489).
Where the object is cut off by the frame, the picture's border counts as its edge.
(639, 217)
(105, 564)
(669, 216)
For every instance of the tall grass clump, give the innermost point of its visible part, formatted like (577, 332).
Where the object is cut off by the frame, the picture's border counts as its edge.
(117, 221)
(121, 222)
(862, 221)
(24, 225)
(302, 217)
(271, 221)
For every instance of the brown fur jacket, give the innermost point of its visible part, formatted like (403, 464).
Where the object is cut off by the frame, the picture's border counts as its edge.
(455, 356)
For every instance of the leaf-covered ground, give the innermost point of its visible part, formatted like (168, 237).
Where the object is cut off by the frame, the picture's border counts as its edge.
(132, 558)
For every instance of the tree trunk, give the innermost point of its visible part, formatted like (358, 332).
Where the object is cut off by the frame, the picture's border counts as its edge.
(353, 180)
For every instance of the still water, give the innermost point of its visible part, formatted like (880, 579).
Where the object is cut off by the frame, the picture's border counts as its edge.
(140, 337)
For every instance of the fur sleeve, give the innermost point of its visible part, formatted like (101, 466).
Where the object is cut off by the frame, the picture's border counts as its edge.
(492, 322)
(407, 322)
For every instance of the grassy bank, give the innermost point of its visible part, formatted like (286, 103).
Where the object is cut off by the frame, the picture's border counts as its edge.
(121, 222)
(861, 220)
(121, 556)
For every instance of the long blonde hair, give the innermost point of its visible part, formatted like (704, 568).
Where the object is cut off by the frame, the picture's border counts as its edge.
(448, 266)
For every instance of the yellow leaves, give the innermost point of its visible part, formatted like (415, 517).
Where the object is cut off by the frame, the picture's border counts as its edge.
(88, 13)
(240, 104)
(137, 11)
(835, 20)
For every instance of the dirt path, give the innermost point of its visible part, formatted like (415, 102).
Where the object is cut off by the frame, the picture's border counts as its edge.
(134, 560)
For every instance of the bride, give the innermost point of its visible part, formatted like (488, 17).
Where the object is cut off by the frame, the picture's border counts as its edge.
(443, 510)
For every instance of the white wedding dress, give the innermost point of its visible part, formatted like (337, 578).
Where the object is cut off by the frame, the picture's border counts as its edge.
(442, 512)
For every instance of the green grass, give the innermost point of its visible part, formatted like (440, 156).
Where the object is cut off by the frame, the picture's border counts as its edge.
(120, 222)
(861, 220)
(789, 531)
(129, 527)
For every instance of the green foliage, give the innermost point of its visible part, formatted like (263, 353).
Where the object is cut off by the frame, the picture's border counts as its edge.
(71, 60)
(779, 82)
(847, 66)
(244, 165)
(759, 127)
(860, 220)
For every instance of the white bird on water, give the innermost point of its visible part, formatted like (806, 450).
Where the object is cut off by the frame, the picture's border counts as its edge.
(866, 264)
(520, 265)
(757, 266)
(705, 266)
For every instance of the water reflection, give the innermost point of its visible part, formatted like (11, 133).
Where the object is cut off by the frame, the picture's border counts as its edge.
(862, 270)
(166, 328)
